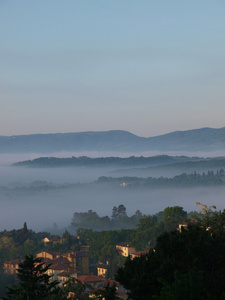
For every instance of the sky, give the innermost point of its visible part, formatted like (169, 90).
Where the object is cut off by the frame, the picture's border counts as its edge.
(146, 66)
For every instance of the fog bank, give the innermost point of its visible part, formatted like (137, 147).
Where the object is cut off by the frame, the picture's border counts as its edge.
(40, 208)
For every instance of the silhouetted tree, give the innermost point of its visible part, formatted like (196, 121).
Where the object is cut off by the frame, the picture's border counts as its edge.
(34, 282)
(192, 260)
(172, 216)
(108, 292)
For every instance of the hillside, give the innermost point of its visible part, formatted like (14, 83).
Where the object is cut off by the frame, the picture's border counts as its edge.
(83, 161)
(205, 139)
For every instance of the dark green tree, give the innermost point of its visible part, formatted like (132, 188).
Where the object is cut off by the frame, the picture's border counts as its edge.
(139, 277)
(75, 286)
(115, 213)
(67, 239)
(25, 226)
(172, 216)
(122, 211)
(192, 260)
(188, 286)
(34, 282)
(108, 292)
(5, 280)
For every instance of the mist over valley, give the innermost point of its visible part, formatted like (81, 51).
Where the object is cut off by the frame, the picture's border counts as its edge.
(42, 196)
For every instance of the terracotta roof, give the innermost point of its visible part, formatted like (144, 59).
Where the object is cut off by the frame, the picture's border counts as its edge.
(139, 253)
(90, 279)
(46, 260)
(58, 267)
(60, 260)
(53, 239)
(183, 224)
(14, 261)
(67, 273)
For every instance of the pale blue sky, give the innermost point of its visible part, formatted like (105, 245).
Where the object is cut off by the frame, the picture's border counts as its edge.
(146, 66)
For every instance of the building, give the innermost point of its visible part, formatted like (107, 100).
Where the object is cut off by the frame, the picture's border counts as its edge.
(11, 266)
(139, 254)
(102, 269)
(52, 239)
(185, 224)
(125, 249)
(48, 254)
(74, 260)
(70, 273)
(94, 281)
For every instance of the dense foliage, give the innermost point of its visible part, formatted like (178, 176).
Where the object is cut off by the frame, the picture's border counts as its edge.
(18, 243)
(118, 220)
(184, 265)
(104, 161)
(102, 243)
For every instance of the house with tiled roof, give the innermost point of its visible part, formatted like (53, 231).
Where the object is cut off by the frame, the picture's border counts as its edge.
(185, 225)
(102, 269)
(57, 265)
(138, 254)
(94, 281)
(56, 269)
(11, 266)
(75, 260)
(70, 273)
(79, 261)
(48, 254)
(51, 239)
(124, 249)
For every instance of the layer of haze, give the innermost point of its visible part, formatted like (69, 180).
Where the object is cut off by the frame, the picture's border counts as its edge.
(41, 207)
(149, 67)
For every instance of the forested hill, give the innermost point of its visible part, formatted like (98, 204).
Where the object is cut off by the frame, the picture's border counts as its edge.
(131, 161)
(205, 139)
(142, 163)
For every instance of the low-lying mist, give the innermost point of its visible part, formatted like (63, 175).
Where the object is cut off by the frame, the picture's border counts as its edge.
(41, 209)
(74, 190)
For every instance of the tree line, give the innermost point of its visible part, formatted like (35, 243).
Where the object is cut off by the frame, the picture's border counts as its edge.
(194, 179)
(104, 161)
(91, 220)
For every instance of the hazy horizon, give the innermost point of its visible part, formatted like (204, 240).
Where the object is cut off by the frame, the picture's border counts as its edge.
(176, 130)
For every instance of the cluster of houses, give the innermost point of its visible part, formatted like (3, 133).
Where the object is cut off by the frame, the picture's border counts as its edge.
(64, 265)
(76, 265)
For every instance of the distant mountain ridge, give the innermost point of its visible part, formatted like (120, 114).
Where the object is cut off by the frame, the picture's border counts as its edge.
(204, 139)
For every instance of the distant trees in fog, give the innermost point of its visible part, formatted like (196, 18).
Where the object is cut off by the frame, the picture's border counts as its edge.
(118, 220)
(194, 179)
